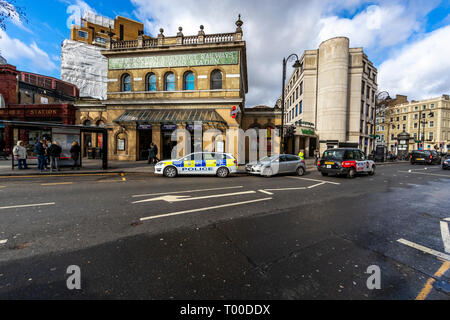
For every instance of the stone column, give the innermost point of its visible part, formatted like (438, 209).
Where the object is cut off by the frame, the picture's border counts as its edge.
(157, 139)
(297, 144)
(161, 37)
(307, 141)
(201, 35)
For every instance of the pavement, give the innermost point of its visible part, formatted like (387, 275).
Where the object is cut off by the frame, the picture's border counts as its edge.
(141, 236)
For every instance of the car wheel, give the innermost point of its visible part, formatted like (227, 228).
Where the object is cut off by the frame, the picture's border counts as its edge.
(170, 172)
(351, 173)
(222, 172)
(324, 174)
(268, 172)
(300, 171)
(372, 172)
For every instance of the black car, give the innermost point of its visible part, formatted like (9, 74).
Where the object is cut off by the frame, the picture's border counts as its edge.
(345, 161)
(446, 163)
(425, 157)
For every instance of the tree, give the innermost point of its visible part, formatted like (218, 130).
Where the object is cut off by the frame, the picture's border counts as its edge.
(8, 10)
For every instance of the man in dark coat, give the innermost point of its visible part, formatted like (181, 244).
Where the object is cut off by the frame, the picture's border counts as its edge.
(39, 150)
(75, 151)
(54, 152)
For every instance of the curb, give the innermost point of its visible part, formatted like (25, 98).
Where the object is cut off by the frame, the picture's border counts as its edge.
(59, 174)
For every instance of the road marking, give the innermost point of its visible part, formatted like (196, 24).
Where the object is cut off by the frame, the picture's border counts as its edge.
(428, 174)
(316, 185)
(266, 192)
(286, 189)
(107, 181)
(447, 219)
(123, 177)
(28, 205)
(429, 285)
(2, 187)
(188, 191)
(3, 241)
(414, 185)
(445, 236)
(172, 199)
(55, 184)
(204, 209)
(63, 175)
(424, 249)
(324, 181)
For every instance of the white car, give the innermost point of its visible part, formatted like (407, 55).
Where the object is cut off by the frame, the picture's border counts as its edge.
(201, 163)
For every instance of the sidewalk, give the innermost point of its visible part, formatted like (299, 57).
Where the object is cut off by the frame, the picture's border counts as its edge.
(95, 167)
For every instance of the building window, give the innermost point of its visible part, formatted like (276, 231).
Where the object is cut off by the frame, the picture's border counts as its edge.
(100, 40)
(416, 116)
(431, 124)
(415, 125)
(416, 108)
(301, 88)
(430, 136)
(189, 81)
(432, 106)
(296, 110)
(368, 92)
(216, 80)
(301, 107)
(362, 107)
(169, 81)
(363, 87)
(82, 34)
(151, 82)
(126, 83)
(404, 118)
(404, 127)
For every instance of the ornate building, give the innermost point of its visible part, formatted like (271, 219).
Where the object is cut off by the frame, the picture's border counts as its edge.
(158, 85)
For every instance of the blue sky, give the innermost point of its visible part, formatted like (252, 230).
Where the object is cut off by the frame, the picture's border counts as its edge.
(403, 38)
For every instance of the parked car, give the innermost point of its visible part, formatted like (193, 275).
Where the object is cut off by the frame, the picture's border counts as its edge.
(425, 157)
(345, 161)
(270, 166)
(446, 163)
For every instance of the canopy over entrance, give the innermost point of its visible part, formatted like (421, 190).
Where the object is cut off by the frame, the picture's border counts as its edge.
(180, 116)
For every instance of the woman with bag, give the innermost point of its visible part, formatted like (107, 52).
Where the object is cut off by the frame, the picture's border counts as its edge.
(20, 153)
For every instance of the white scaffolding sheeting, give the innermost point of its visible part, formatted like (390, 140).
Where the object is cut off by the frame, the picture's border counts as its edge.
(84, 66)
(100, 20)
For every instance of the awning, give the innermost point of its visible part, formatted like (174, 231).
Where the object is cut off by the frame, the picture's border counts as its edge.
(178, 116)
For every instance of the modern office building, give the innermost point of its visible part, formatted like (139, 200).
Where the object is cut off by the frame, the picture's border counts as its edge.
(330, 99)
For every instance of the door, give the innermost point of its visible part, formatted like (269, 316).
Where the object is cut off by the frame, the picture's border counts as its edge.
(291, 163)
(145, 138)
(284, 164)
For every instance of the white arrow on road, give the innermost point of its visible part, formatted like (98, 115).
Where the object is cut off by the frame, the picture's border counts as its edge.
(445, 235)
(175, 198)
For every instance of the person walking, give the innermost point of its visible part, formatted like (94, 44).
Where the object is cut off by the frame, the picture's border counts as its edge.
(155, 154)
(75, 151)
(20, 153)
(316, 157)
(151, 153)
(54, 152)
(39, 150)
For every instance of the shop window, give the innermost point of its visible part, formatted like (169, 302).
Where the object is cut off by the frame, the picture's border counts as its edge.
(83, 34)
(189, 81)
(151, 82)
(216, 80)
(126, 83)
(169, 81)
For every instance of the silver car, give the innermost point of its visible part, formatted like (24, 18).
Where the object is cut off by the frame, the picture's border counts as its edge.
(270, 166)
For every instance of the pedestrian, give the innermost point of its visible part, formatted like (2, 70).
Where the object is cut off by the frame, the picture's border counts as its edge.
(301, 154)
(75, 151)
(151, 153)
(20, 153)
(54, 152)
(155, 154)
(316, 156)
(47, 145)
(39, 150)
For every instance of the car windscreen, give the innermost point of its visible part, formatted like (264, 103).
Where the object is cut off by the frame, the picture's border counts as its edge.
(334, 154)
(268, 159)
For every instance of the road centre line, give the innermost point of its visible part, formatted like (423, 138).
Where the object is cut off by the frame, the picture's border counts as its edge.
(315, 180)
(188, 191)
(28, 205)
(3, 241)
(429, 285)
(187, 198)
(203, 209)
(266, 192)
(424, 249)
(286, 189)
(429, 174)
(55, 184)
(107, 181)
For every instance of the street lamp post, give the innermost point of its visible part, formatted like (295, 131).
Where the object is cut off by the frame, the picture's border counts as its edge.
(296, 65)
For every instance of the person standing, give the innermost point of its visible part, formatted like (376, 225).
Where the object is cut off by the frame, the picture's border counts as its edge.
(47, 145)
(316, 156)
(40, 153)
(301, 154)
(155, 154)
(151, 154)
(75, 151)
(20, 153)
(54, 152)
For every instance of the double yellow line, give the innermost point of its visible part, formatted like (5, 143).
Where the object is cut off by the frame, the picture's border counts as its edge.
(429, 285)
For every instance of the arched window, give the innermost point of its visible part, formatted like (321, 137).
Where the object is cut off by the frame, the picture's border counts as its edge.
(216, 80)
(169, 82)
(189, 81)
(126, 83)
(151, 82)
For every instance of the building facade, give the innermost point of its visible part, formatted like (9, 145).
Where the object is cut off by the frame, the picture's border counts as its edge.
(35, 98)
(426, 121)
(156, 86)
(330, 99)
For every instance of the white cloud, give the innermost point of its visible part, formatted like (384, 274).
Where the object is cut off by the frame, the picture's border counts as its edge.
(14, 15)
(26, 57)
(76, 11)
(275, 29)
(419, 70)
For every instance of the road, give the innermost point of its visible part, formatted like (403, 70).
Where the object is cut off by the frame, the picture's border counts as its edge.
(146, 237)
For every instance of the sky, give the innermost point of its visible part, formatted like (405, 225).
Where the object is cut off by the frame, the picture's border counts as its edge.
(408, 41)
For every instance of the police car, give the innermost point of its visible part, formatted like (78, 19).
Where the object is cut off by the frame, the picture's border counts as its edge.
(346, 161)
(201, 163)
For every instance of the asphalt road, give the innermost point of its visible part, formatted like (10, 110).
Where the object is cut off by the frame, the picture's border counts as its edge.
(244, 237)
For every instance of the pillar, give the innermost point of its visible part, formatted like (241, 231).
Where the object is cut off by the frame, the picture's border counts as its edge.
(157, 139)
